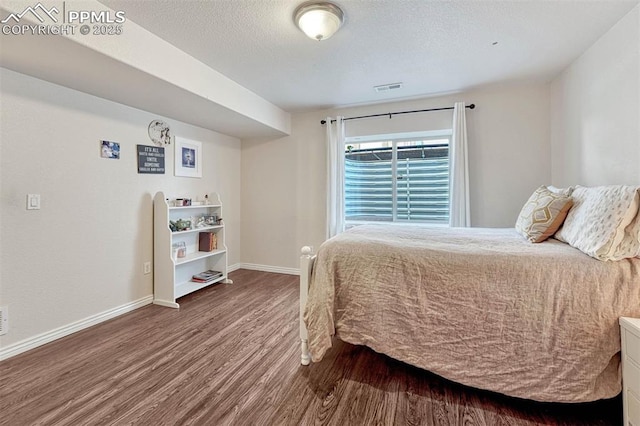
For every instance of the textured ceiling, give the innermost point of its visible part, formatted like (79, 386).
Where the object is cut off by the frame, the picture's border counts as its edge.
(432, 47)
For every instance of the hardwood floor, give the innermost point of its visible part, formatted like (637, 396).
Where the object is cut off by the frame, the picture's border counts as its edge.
(230, 356)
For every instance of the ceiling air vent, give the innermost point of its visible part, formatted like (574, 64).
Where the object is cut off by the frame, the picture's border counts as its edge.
(387, 87)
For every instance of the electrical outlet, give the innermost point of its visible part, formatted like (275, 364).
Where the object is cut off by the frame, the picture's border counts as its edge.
(147, 268)
(4, 320)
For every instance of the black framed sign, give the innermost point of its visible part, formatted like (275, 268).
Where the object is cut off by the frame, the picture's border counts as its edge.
(150, 159)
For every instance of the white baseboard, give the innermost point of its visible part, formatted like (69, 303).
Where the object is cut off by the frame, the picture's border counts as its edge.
(267, 268)
(49, 336)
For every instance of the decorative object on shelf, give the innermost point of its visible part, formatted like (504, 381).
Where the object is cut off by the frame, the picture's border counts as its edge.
(179, 250)
(180, 225)
(159, 132)
(206, 199)
(319, 20)
(188, 158)
(110, 149)
(150, 160)
(207, 276)
(199, 222)
(182, 202)
(210, 220)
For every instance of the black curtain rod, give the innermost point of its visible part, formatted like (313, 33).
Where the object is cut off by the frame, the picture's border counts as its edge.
(472, 106)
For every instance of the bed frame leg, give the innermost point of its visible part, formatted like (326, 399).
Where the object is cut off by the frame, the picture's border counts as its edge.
(306, 264)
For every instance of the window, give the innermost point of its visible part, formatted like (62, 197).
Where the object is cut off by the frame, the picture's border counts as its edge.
(398, 179)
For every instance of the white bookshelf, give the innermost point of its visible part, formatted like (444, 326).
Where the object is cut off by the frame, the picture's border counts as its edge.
(171, 274)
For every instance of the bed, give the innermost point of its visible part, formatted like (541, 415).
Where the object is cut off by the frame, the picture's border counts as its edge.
(482, 307)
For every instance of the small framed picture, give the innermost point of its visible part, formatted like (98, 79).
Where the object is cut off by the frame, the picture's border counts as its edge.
(188, 158)
(110, 149)
(210, 220)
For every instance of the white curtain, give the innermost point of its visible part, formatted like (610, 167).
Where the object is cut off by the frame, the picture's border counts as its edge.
(335, 176)
(459, 214)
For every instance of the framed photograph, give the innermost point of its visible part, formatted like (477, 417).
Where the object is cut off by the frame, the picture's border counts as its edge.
(188, 158)
(110, 149)
(210, 220)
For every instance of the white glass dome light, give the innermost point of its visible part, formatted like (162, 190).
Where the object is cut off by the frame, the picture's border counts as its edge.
(318, 20)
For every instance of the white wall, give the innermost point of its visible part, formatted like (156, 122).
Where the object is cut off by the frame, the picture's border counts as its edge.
(82, 253)
(283, 180)
(595, 111)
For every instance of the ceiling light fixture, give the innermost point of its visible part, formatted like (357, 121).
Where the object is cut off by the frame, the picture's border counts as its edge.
(318, 20)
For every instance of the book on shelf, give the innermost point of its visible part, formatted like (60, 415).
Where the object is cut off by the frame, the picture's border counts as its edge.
(206, 276)
(207, 241)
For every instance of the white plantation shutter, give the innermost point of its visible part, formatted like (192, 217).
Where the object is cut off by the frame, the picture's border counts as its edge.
(408, 183)
(423, 189)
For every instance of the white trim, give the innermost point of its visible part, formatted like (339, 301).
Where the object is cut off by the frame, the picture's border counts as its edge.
(233, 267)
(57, 333)
(267, 268)
(426, 224)
(400, 136)
(166, 303)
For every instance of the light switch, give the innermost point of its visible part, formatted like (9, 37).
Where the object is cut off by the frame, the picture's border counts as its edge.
(33, 201)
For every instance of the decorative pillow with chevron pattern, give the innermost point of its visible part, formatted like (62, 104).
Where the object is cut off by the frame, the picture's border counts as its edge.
(543, 214)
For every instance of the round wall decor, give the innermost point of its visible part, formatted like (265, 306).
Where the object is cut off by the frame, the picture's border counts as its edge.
(159, 132)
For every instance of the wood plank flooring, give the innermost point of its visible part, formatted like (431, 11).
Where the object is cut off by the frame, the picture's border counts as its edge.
(230, 356)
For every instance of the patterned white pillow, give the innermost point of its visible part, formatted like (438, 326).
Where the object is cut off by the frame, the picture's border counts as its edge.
(564, 191)
(602, 222)
(630, 244)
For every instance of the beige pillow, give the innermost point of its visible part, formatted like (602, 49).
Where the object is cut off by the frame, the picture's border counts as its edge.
(602, 222)
(543, 214)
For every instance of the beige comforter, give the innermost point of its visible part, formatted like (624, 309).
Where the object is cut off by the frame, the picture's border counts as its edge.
(482, 307)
